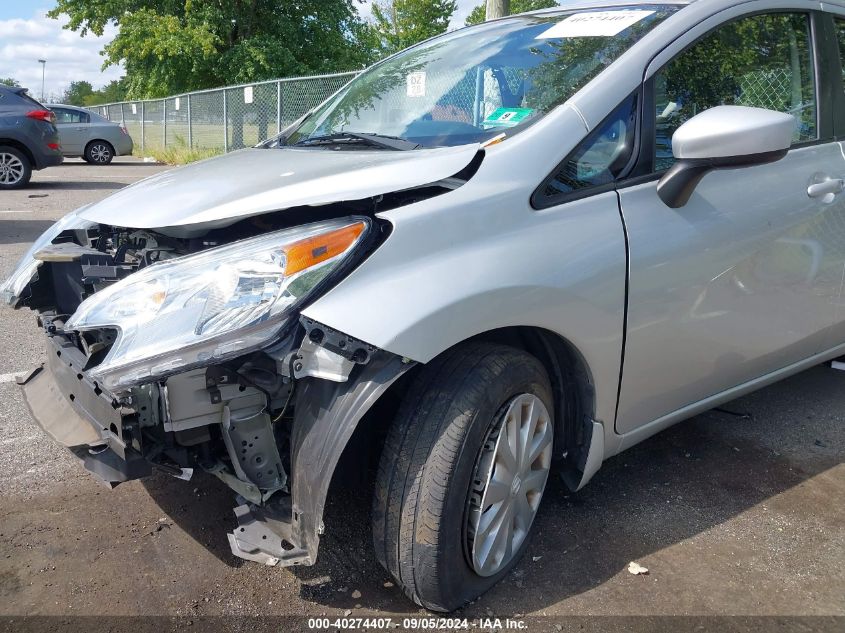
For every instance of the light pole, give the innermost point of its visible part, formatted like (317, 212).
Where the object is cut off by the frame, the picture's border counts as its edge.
(497, 9)
(43, 63)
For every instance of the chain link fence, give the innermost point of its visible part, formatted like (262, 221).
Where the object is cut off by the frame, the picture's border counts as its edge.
(223, 118)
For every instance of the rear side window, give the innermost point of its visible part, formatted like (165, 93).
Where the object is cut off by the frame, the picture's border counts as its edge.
(64, 115)
(762, 61)
(840, 30)
(598, 160)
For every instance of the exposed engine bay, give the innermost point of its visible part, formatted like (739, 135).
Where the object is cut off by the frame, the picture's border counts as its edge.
(235, 419)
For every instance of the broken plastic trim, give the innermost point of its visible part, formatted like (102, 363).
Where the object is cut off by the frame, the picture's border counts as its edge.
(327, 414)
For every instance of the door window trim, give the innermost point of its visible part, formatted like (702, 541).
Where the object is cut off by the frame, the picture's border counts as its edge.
(834, 69)
(643, 170)
(540, 200)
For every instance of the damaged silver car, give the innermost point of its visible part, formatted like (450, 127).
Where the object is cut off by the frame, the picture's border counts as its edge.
(520, 247)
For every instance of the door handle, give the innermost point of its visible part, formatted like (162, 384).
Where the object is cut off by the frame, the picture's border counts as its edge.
(822, 189)
(81, 129)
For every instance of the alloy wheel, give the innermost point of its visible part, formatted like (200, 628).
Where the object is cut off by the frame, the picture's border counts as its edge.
(11, 169)
(508, 484)
(100, 153)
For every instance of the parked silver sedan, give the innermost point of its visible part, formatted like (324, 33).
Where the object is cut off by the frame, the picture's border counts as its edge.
(522, 246)
(88, 135)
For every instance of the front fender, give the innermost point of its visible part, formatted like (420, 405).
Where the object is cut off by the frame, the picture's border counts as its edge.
(327, 414)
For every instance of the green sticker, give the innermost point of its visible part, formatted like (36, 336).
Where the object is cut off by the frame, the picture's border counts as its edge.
(507, 117)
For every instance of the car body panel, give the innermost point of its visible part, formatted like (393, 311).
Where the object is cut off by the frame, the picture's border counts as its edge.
(220, 191)
(740, 281)
(33, 134)
(480, 258)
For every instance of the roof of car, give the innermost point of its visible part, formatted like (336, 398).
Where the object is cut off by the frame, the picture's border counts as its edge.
(14, 89)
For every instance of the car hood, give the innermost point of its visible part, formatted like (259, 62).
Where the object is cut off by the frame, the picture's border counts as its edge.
(220, 191)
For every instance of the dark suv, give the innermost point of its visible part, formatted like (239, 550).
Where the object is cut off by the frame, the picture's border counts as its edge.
(28, 137)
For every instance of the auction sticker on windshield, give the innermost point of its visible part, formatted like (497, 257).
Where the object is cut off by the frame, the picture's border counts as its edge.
(594, 24)
(416, 84)
(507, 116)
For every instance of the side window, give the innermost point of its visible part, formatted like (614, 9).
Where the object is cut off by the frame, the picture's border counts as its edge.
(840, 30)
(598, 160)
(762, 61)
(69, 116)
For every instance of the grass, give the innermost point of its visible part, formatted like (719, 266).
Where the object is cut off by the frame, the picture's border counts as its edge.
(178, 153)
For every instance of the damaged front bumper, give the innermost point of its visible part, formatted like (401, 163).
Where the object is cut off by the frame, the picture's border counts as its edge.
(276, 525)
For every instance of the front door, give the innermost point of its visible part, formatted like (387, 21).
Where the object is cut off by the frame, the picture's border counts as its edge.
(741, 281)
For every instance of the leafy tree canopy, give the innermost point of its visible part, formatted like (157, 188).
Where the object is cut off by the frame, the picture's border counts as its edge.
(9, 81)
(398, 24)
(478, 14)
(77, 92)
(173, 46)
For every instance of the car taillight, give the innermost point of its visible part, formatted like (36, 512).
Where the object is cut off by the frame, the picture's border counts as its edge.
(54, 146)
(42, 115)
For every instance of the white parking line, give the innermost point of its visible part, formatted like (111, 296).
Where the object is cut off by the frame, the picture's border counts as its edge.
(15, 210)
(11, 377)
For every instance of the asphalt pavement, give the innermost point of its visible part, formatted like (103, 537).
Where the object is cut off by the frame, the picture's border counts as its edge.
(737, 512)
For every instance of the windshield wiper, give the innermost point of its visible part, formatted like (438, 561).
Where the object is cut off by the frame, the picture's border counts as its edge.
(376, 140)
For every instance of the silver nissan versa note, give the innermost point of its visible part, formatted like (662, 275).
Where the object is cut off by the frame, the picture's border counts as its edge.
(522, 246)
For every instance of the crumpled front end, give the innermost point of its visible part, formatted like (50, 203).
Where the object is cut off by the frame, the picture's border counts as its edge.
(267, 406)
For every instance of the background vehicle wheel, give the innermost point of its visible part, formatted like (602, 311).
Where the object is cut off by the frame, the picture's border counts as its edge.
(462, 473)
(99, 152)
(15, 168)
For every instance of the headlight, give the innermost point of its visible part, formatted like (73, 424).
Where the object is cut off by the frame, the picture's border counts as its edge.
(206, 307)
(27, 269)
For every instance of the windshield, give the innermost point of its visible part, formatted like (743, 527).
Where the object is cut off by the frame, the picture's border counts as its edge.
(474, 84)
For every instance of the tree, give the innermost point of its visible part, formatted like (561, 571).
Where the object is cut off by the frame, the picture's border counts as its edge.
(8, 81)
(112, 92)
(478, 14)
(398, 24)
(173, 46)
(77, 92)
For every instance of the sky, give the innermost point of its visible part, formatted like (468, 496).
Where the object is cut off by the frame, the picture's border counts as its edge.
(27, 35)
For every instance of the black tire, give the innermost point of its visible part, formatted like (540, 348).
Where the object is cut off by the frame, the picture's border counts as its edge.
(427, 467)
(15, 168)
(99, 153)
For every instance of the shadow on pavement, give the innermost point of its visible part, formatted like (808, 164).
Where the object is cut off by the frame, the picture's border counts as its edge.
(674, 486)
(202, 507)
(16, 231)
(75, 185)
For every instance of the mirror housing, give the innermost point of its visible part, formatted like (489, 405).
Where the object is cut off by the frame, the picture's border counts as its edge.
(724, 137)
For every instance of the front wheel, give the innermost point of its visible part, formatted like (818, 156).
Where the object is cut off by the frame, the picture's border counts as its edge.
(463, 472)
(99, 153)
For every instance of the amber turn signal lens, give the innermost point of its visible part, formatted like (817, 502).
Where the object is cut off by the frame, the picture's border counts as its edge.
(313, 250)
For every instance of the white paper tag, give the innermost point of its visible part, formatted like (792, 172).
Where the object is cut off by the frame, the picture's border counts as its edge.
(416, 84)
(594, 24)
(247, 94)
(134, 108)
(177, 103)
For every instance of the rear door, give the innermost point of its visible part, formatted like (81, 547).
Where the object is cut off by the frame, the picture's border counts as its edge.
(743, 280)
(74, 129)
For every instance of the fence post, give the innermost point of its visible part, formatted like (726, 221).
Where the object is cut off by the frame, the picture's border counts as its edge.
(122, 115)
(225, 124)
(190, 126)
(278, 107)
(143, 131)
(164, 121)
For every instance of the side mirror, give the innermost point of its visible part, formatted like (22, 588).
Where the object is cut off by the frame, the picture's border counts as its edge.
(724, 137)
